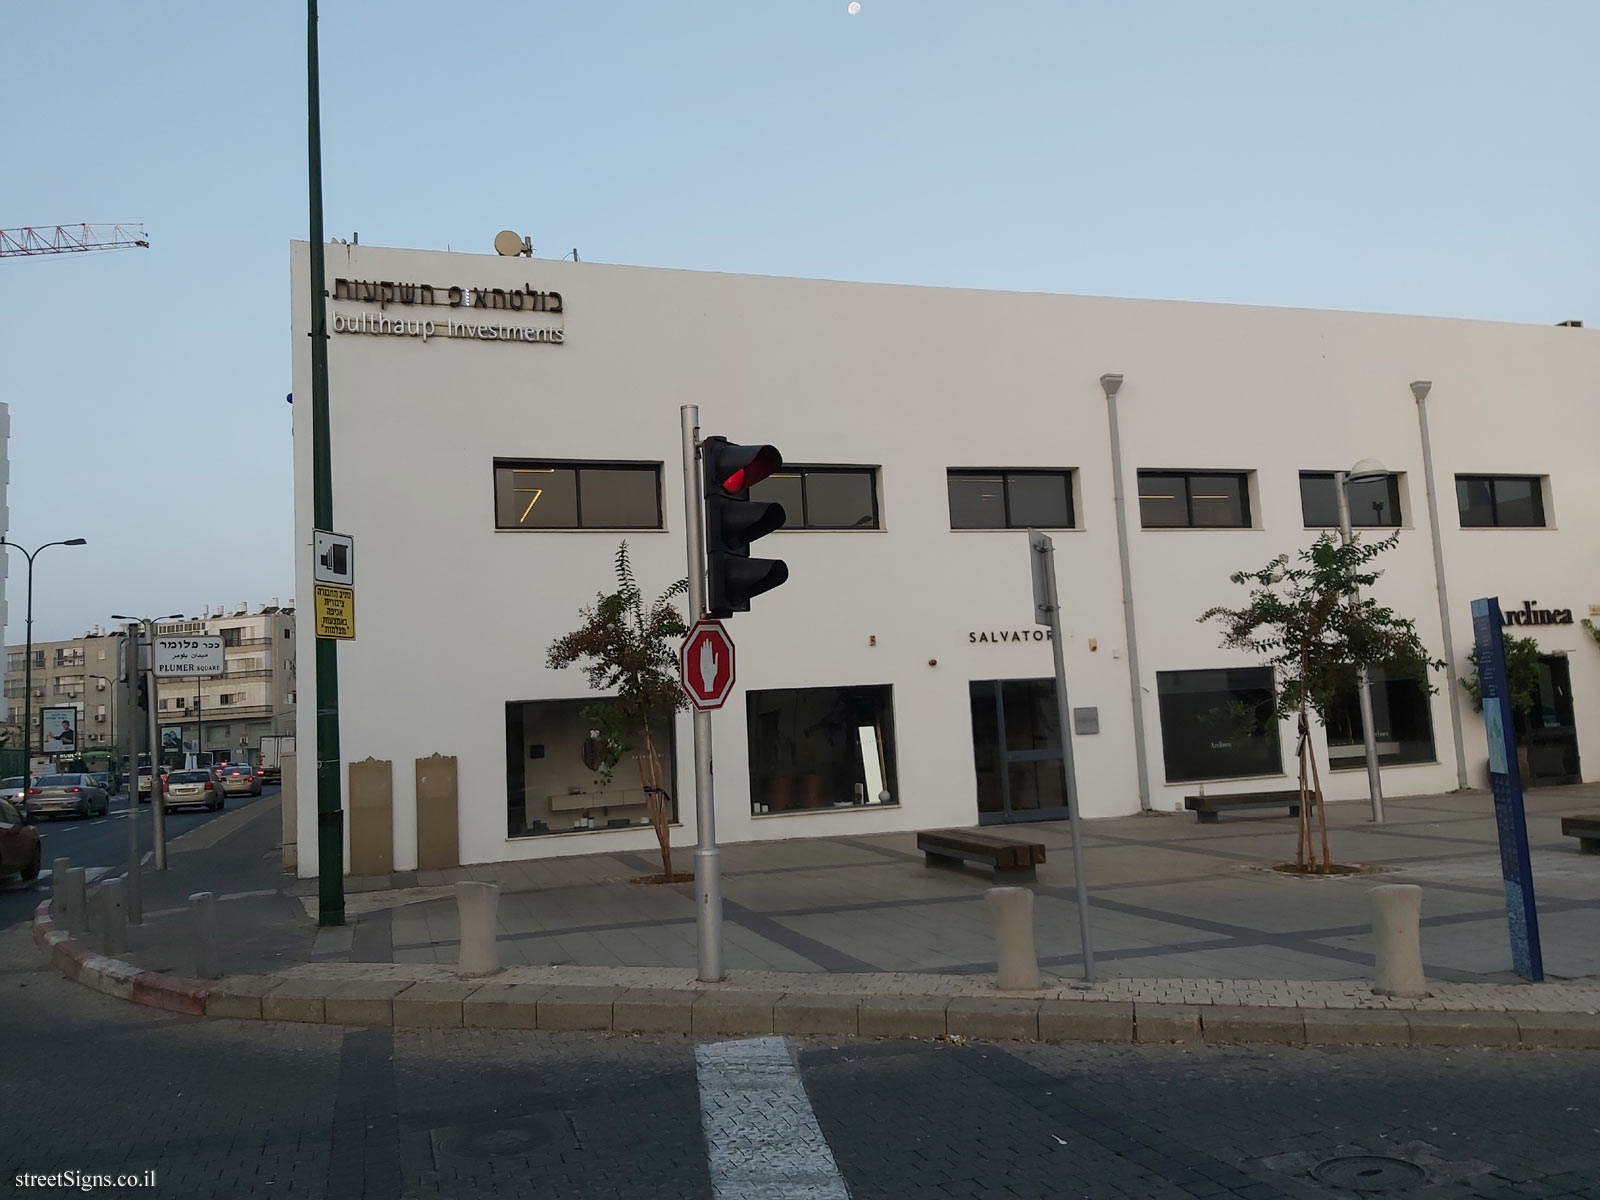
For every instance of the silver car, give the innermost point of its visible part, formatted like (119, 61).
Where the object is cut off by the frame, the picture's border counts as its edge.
(197, 788)
(13, 789)
(65, 795)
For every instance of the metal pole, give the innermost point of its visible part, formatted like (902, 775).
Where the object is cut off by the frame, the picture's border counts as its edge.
(158, 816)
(330, 806)
(27, 685)
(1420, 390)
(1369, 737)
(1111, 384)
(707, 866)
(1042, 545)
(130, 684)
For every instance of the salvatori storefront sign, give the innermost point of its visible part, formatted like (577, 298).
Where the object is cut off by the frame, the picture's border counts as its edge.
(1529, 615)
(1008, 635)
(470, 319)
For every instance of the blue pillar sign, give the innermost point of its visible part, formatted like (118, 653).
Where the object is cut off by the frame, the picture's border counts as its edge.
(1505, 782)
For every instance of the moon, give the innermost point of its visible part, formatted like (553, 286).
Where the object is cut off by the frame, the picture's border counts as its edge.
(855, 7)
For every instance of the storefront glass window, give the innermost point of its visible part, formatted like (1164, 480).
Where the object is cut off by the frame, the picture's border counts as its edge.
(1218, 724)
(1402, 722)
(554, 777)
(818, 748)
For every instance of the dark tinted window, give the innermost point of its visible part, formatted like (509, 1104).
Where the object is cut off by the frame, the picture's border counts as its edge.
(1372, 505)
(1163, 501)
(15, 781)
(1218, 724)
(823, 497)
(1402, 722)
(60, 781)
(1002, 499)
(816, 748)
(1194, 499)
(1508, 500)
(188, 777)
(549, 495)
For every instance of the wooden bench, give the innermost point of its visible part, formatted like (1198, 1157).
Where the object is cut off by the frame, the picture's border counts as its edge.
(1209, 808)
(1008, 859)
(1586, 830)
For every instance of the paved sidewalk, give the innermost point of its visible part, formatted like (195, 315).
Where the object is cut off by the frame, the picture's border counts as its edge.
(1186, 919)
(1169, 898)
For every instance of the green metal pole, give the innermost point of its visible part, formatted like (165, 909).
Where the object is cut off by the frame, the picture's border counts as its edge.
(27, 686)
(330, 810)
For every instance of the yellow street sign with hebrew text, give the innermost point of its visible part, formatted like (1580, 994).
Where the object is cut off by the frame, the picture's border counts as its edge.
(336, 611)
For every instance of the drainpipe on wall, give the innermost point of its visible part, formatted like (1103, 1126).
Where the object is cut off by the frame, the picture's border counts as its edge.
(1420, 389)
(1110, 384)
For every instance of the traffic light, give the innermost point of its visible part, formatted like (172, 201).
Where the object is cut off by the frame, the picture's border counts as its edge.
(733, 521)
(144, 691)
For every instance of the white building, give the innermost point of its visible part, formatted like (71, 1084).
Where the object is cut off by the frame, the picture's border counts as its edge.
(488, 458)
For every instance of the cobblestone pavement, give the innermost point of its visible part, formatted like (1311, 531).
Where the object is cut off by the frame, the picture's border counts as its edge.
(225, 1109)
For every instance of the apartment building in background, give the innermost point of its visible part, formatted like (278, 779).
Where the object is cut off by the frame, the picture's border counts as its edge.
(80, 674)
(254, 696)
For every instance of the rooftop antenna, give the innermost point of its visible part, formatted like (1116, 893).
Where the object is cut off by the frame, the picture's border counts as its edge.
(510, 244)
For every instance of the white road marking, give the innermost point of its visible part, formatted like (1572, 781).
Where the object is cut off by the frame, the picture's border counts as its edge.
(762, 1137)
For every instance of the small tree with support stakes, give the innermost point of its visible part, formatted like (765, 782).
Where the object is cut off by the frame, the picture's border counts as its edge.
(1301, 620)
(627, 646)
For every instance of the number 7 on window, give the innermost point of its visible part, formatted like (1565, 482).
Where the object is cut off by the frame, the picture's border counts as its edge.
(537, 492)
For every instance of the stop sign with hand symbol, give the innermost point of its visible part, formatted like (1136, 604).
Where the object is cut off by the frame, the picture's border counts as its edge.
(705, 665)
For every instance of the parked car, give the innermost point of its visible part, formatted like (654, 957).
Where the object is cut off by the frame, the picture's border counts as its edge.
(20, 845)
(240, 780)
(60, 795)
(193, 789)
(144, 780)
(13, 789)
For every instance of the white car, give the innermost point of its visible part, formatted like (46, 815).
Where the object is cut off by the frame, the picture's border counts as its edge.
(12, 789)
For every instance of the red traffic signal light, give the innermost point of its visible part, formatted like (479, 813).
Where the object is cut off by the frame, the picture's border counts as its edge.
(733, 521)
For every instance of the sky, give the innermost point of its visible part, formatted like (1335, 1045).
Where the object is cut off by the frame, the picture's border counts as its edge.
(1416, 156)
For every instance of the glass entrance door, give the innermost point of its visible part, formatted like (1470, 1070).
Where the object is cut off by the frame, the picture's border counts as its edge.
(1016, 742)
(1549, 730)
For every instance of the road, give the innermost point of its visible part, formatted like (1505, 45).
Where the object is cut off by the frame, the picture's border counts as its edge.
(99, 842)
(227, 1109)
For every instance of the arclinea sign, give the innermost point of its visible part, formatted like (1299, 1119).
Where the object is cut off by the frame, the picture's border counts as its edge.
(475, 324)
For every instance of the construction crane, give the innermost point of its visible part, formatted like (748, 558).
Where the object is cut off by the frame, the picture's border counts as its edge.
(68, 239)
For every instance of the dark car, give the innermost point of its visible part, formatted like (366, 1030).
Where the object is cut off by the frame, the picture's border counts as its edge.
(20, 849)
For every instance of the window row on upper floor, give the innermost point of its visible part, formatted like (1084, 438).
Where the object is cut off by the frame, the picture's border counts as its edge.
(557, 495)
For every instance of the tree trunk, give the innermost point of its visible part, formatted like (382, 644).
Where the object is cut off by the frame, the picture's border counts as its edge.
(1322, 809)
(655, 800)
(1303, 841)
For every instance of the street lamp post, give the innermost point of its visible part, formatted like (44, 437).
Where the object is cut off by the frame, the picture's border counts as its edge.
(1368, 470)
(158, 824)
(27, 684)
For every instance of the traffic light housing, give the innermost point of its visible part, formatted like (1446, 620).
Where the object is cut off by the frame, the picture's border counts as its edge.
(144, 691)
(733, 521)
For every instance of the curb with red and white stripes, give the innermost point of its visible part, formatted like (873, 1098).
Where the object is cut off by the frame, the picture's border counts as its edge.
(113, 976)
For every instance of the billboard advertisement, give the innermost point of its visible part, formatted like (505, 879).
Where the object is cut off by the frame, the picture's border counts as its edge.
(58, 731)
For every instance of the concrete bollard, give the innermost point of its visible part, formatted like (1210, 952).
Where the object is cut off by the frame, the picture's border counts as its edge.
(478, 908)
(1396, 930)
(60, 908)
(74, 898)
(113, 916)
(1012, 911)
(203, 928)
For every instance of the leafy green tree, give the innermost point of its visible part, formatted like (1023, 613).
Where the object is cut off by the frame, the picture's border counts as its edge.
(1522, 674)
(1305, 620)
(630, 649)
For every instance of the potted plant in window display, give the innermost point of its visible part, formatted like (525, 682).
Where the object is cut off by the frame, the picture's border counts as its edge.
(1522, 677)
(630, 648)
(1304, 619)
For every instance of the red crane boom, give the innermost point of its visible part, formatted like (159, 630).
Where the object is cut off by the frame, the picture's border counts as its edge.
(68, 239)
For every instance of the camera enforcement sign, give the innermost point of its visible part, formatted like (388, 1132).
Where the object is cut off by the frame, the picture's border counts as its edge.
(333, 568)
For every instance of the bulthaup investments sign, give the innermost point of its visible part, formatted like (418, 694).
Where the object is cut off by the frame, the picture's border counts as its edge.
(1505, 782)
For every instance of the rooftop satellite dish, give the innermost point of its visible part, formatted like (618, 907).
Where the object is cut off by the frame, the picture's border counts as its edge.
(510, 244)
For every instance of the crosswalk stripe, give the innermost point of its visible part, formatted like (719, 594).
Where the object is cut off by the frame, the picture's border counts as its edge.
(762, 1137)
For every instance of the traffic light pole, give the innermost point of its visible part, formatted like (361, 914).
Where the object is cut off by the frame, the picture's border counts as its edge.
(158, 815)
(130, 683)
(707, 865)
